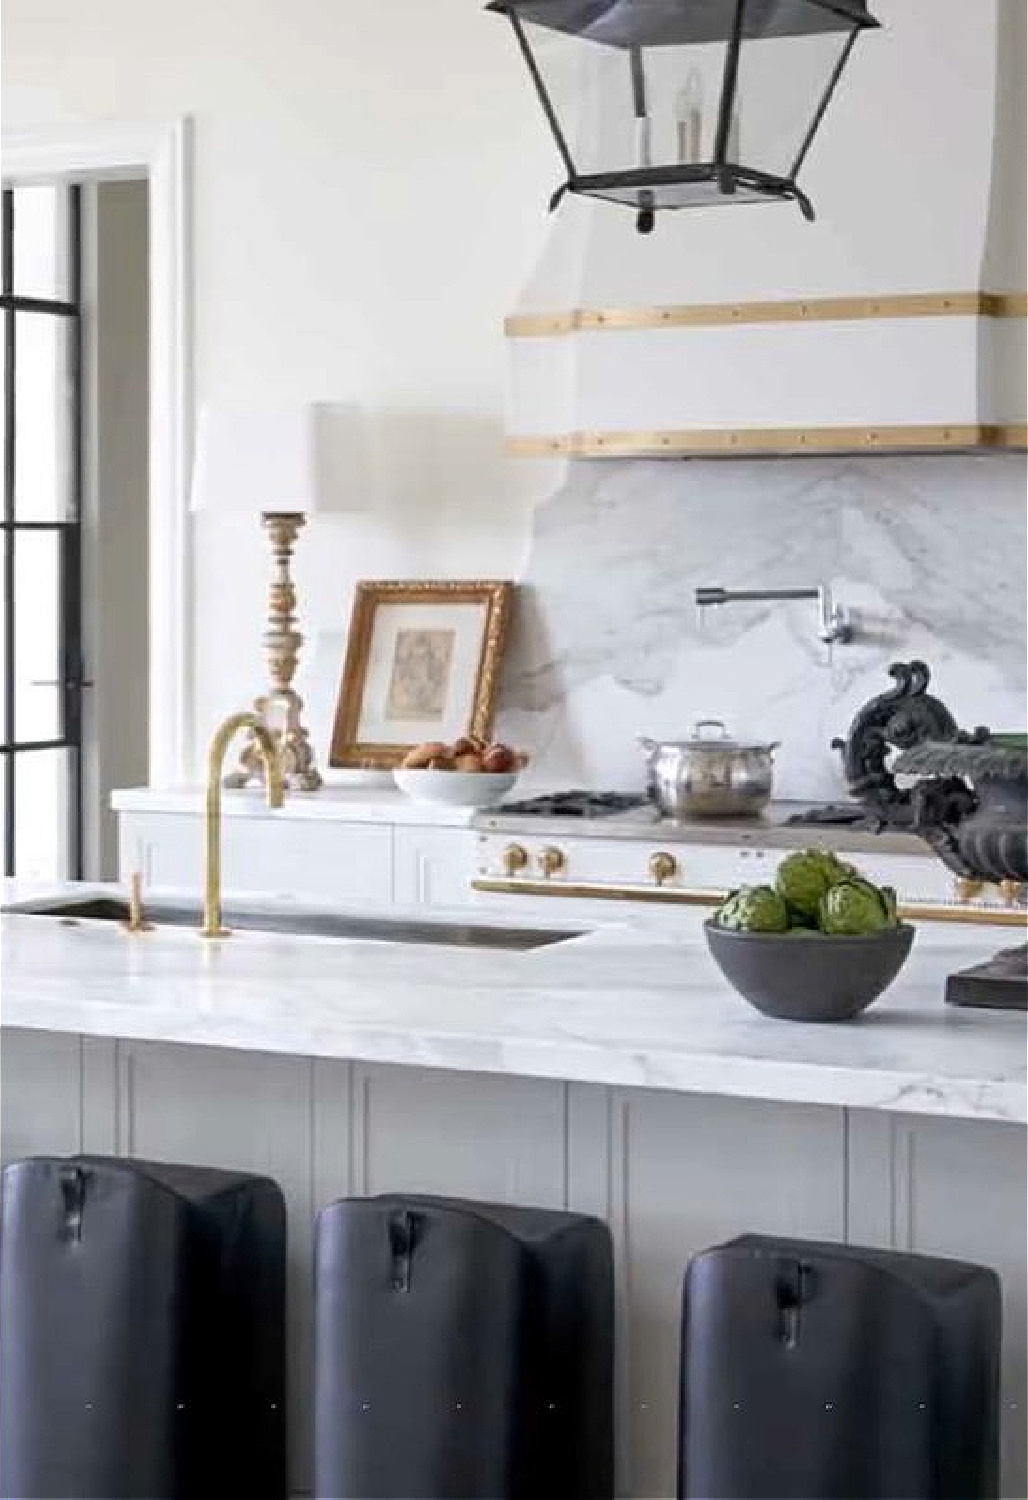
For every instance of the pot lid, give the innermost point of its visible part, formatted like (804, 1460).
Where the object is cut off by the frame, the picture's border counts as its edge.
(711, 734)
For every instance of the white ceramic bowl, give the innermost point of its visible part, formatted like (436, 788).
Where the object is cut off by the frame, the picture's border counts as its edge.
(456, 788)
(360, 777)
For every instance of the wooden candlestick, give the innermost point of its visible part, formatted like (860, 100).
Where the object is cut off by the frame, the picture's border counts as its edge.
(279, 708)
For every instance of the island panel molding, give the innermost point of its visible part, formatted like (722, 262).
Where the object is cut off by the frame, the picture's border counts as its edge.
(780, 310)
(734, 441)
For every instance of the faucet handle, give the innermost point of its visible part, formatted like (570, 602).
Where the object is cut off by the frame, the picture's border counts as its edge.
(835, 624)
(136, 915)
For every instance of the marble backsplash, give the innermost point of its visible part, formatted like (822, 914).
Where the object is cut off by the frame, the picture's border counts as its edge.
(927, 553)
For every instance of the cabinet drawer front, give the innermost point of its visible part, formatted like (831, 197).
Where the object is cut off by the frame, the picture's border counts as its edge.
(285, 858)
(432, 866)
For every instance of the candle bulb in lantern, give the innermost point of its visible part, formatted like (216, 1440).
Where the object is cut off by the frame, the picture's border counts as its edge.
(689, 118)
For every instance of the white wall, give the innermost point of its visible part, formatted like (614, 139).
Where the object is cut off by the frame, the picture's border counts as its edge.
(370, 189)
(370, 201)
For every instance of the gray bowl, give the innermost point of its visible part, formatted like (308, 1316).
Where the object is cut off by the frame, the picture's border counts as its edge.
(809, 976)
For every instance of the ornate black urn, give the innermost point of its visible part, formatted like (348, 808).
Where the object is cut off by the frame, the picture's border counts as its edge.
(967, 798)
(971, 806)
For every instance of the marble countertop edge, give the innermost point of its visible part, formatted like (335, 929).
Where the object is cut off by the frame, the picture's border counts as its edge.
(902, 1091)
(621, 1005)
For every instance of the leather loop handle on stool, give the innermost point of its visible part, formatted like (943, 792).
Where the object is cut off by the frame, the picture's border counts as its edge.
(73, 1197)
(404, 1228)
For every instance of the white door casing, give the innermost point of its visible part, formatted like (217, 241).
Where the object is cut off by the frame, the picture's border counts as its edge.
(160, 152)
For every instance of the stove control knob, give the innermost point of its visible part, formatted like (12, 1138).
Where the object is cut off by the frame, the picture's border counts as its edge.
(966, 889)
(515, 858)
(551, 860)
(663, 866)
(1012, 891)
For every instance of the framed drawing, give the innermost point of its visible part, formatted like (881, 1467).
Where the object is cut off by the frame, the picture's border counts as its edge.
(422, 663)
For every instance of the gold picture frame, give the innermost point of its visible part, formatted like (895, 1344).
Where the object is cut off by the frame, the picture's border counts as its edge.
(422, 662)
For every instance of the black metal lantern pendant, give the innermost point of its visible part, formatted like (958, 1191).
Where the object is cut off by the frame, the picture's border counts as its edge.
(685, 103)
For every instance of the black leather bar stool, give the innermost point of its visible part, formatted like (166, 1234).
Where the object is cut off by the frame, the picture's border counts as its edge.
(462, 1349)
(142, 1344)
(829, 1372)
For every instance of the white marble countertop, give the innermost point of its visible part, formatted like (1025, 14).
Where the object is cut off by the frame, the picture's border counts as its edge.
(341, 804)
(355, 804)
(617, 1006)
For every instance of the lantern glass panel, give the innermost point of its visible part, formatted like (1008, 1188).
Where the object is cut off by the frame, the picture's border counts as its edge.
(636, 87)
(607, 123)
(781, 82)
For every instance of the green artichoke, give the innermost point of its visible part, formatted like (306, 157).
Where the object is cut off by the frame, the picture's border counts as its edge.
(754, 908)
(888, 896)
(855, 906)
(804, 877)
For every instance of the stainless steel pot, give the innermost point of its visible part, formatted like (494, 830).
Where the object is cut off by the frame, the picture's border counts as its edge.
(709, 775)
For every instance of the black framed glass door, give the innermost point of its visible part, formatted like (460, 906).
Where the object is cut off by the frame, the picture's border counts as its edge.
(44, 671)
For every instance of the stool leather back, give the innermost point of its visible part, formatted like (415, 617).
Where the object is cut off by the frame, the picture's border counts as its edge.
(462, 1349)
(815, 1371)
(142, 1340)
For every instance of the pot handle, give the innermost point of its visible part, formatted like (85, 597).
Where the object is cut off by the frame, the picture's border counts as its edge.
(645, 743)
(711, 724)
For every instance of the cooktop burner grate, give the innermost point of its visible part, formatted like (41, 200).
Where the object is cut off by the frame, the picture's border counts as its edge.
(580, 803)
(835, 815)
(575, 804)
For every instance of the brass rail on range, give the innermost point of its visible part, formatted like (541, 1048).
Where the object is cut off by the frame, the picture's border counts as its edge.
(973, 916)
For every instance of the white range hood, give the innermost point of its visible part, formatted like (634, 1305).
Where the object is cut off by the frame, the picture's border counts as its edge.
(896, 321)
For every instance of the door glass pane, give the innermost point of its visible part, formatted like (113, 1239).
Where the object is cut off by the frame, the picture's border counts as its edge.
(8, 541)
(41, 820)
(43, 417)
(3, 384)
(40, 249)
(37, 636)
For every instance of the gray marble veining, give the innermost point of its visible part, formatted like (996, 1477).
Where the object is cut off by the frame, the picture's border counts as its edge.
(621, 1005)
(927, 552)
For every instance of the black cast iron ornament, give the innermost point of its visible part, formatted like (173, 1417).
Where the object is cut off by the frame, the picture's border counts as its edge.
(660, 104)
(968, 801)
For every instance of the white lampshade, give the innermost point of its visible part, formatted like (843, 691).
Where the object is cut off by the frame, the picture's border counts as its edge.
(288, 458)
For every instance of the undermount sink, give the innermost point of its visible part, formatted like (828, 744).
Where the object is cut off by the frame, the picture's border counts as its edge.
(307, 924)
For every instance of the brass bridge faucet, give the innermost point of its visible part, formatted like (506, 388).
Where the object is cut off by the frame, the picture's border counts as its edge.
(273, 781)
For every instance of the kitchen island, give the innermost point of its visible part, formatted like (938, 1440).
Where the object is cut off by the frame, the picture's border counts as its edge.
(613, 1072)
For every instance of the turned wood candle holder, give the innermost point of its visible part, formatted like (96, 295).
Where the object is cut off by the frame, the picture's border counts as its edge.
(279, 708)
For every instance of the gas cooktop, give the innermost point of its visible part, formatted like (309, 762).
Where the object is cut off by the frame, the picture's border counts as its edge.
(575, 803)
(580, 803)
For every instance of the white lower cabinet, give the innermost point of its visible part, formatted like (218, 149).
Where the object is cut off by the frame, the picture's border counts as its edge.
(432, 866)
(323, 859)
(335, 851)
(670, 1174)
(326, 861)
